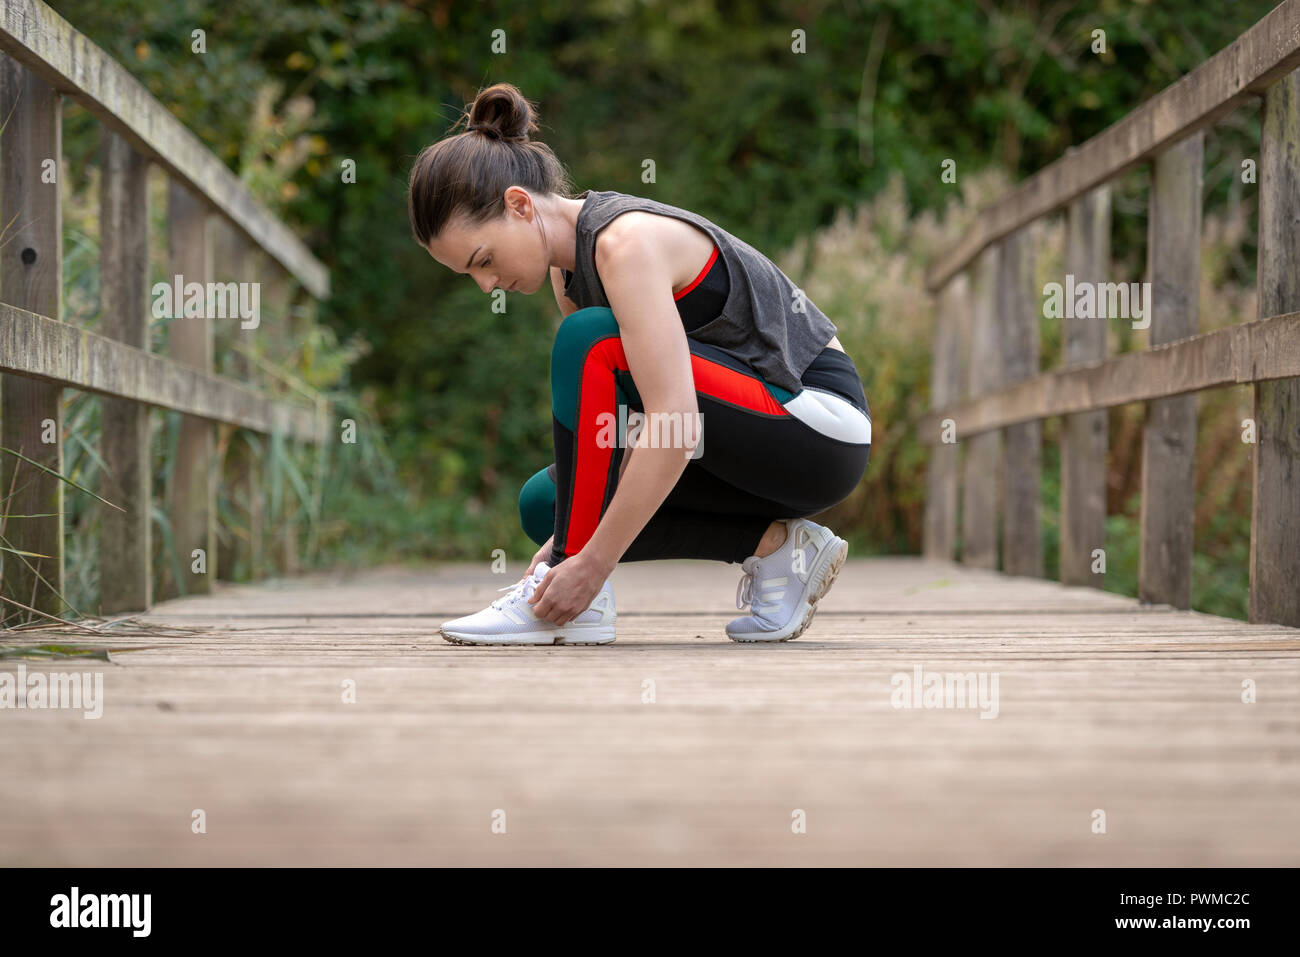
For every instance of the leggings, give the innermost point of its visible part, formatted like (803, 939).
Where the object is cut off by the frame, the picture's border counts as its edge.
(766, 453)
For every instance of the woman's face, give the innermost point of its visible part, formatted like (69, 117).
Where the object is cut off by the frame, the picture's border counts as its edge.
(505, 253)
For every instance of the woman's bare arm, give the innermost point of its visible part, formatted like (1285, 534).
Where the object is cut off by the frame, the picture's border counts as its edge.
(638, 283)
(566, 304)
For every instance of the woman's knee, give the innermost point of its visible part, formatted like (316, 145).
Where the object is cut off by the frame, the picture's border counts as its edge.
(578, 332)
(537, 506)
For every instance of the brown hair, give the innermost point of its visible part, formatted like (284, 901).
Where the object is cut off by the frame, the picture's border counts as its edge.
(467, 174)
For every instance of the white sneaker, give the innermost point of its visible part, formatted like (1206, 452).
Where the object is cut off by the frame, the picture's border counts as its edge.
(510, 619)
(782, 589)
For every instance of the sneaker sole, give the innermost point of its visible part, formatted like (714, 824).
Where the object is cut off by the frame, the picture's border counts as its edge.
(824, 575)
(600, 635)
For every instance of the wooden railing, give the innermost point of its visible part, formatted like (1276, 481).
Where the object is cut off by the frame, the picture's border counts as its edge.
(216, 232)
(988, 312)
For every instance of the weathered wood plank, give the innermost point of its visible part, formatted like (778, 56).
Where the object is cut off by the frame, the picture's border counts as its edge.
(706, 768)
(46, 44)
(946, 385)
(1018, 303)
(1246, 67)
(192, 489)
(1169, 435)
(1084, 439)
(38, 347)
(1275, 516)
(125, 541)
(31, 276)
(1258, 351)
(982, 466)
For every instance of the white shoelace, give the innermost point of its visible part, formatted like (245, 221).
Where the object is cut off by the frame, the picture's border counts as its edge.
(745, 595)
(526, 585)
(745, 588)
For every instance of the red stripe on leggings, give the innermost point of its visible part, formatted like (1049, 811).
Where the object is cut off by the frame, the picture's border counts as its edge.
(598, 394)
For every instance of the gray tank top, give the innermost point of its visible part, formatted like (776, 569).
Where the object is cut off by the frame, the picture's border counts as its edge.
(767, 322)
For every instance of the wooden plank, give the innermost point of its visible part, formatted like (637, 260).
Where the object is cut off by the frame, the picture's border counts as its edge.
(1258, 351)
(1084, 438)
(703, 766)
(125, 541)
(38, 347)
(946, 384)
(1018, 304)
(1245, 68)
(981, 469)
(1275, 515)
(46, 44)
(1169, 435)
(192, 490)
(31, 276)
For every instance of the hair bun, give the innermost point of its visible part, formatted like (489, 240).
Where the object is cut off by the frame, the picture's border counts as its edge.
(502, 113)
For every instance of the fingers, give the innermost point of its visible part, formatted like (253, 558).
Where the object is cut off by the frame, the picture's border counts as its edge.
(541, 604)
(558, 611)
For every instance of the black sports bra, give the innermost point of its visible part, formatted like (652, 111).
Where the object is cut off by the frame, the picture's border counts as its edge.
(703, 299)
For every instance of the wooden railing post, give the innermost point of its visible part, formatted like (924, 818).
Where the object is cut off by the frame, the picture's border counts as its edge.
(1169, 437)
(983, 459)
(1275, 516)
(277, 305)
(240, 557)
(125, 550)
(192, 506)
(31, 276)
(1018, 311)
(1084, 439)
(940, 532)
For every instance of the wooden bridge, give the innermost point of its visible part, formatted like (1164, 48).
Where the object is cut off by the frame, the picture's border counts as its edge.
(956, 709)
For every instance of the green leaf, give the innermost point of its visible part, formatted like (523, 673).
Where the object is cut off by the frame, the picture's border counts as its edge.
(61, 478)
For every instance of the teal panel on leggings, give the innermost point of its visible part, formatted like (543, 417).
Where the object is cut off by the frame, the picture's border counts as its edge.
(577, 333)
(778, 393)
(537, 507)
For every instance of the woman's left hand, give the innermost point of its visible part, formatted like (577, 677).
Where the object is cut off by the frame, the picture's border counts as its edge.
(569, 588)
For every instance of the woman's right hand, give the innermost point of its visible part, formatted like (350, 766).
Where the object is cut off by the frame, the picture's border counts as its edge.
(543, 555)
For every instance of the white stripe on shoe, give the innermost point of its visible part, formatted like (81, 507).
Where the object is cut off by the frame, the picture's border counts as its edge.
(779, 615)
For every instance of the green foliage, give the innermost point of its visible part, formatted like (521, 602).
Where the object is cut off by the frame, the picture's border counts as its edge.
(770, 144)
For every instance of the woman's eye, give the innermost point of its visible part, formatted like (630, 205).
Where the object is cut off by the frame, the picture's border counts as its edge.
(483, 265)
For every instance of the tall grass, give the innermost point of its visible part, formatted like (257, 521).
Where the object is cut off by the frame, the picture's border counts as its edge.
(320, 506)
(866, 271)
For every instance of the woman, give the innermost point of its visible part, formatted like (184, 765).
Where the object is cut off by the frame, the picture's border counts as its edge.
(673, 318)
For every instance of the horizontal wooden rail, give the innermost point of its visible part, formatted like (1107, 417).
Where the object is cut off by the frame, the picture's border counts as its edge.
(1257, 351)
(45, 43)
(1247, 67)
(43, 348)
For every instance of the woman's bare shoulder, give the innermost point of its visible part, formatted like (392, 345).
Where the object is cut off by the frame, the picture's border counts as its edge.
(687, 246)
